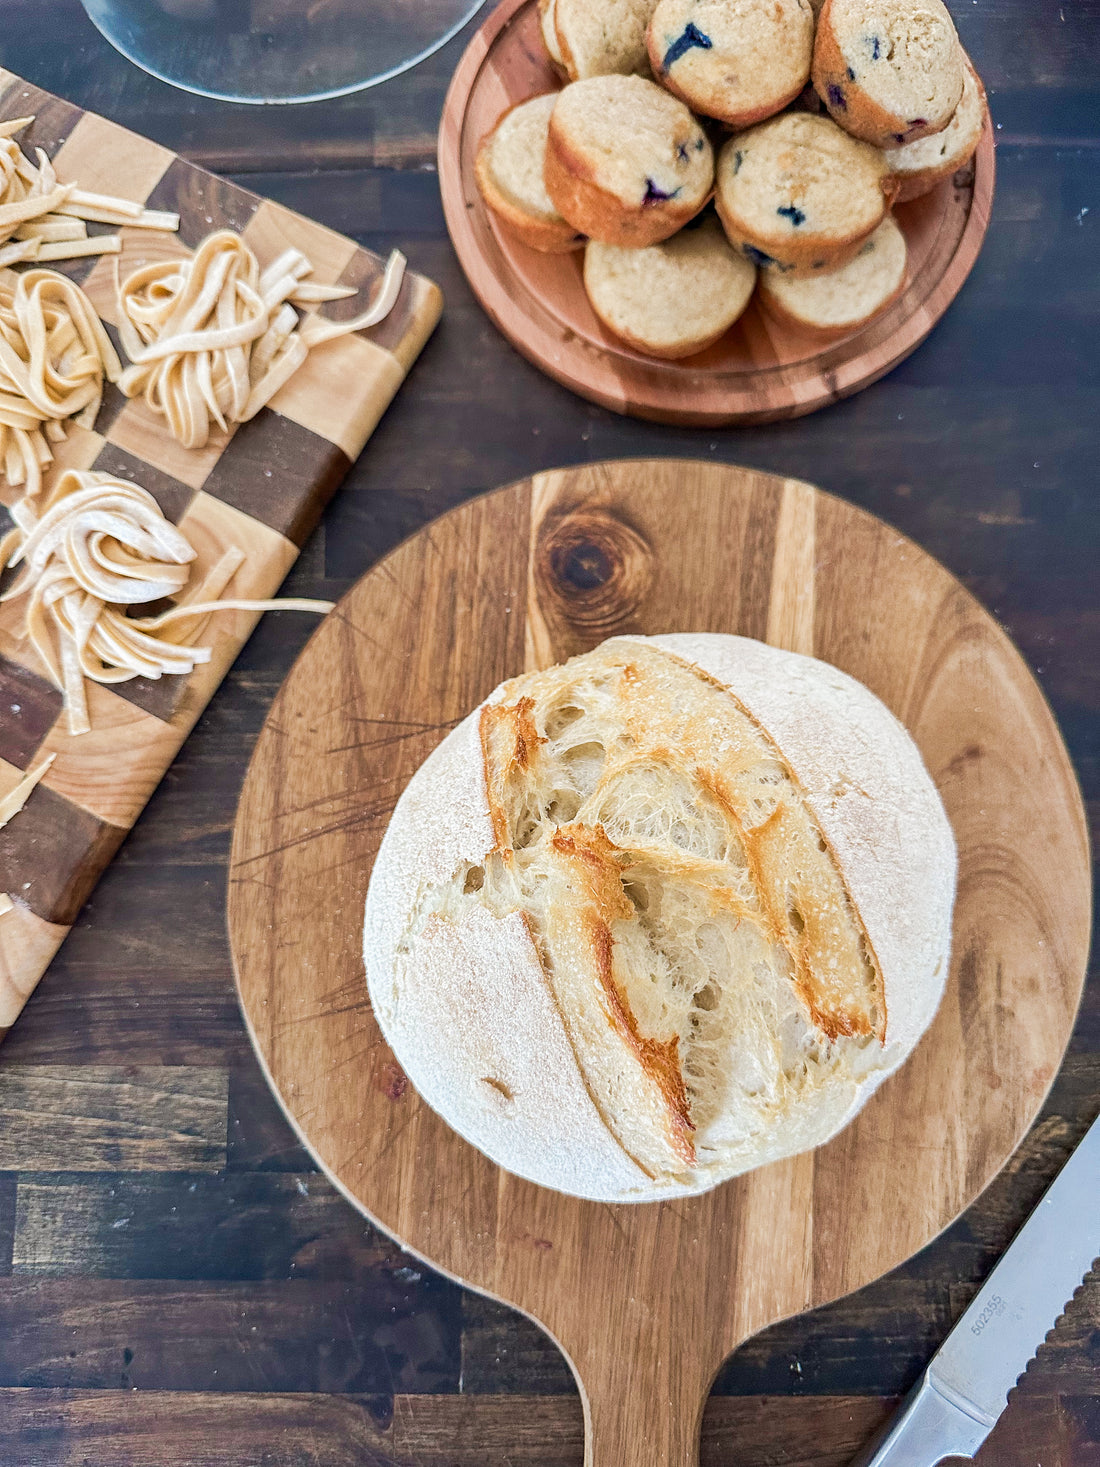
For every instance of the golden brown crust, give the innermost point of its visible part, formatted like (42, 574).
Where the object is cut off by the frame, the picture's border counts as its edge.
(791, 914)
(548, 236)
(527, 737)
(831, 1018)
(596, 211)
(585, 1115)
(599, 865)
(509, 743)
(848, 104)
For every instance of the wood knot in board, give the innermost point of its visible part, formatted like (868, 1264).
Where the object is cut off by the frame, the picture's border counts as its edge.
(593, 570)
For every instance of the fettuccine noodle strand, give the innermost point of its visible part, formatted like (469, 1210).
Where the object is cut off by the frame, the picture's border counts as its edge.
(97, 546)
(44, 219)
(214, 337)
(54, 356)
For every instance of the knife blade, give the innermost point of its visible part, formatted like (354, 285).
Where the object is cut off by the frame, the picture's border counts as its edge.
(957, 1401)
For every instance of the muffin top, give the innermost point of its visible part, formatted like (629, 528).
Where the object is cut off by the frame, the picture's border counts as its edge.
(801, 176)
(733, 59)
(601, 39)
(904, 55)
(632, 139)
(957, 140)
(851, 295)
(677, 294)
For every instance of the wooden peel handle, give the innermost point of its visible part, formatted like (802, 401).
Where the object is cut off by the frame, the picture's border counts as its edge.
(613, 1439)
(637, 1416)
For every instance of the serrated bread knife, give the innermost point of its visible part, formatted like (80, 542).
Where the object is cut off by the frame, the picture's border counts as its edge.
(957, 1401)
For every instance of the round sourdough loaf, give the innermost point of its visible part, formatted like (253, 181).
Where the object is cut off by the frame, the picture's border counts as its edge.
(662, 914)
(841, 301)
(889, 71)
(510, 171)
(626, 162)
(796, 194)
(672, 299)
(920, 166)
(736, 60)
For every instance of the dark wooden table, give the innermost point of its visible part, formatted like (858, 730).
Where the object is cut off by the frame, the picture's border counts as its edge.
(178, 1284)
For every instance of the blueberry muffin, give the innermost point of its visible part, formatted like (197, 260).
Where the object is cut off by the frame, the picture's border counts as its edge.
(671, 299)
(918, 167)
(596, 37)
(837, 302)
(626, 163)
(889, 71)
(797, 194)
(737, 60)
(510, 172)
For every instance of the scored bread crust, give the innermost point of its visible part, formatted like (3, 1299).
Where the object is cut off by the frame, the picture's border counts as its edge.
(495, 1059)
(864, 780)
(496, 1064)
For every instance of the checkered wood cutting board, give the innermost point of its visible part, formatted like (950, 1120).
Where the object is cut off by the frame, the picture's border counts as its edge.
(262, 488)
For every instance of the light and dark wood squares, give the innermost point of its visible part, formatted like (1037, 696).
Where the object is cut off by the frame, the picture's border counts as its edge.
(261, 488)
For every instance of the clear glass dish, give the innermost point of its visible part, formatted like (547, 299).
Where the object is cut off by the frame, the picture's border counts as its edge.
(277, 50)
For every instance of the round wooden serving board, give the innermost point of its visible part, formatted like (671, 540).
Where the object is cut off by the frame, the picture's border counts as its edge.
(647, 1300)
(760, 370)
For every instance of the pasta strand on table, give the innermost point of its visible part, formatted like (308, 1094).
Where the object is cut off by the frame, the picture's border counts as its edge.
(11, 805)
(213, 338)
(32, 200)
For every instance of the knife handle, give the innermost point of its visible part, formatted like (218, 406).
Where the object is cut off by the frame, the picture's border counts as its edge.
(926, 1428)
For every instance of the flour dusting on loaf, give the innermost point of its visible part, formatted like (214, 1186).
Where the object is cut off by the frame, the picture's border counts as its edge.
(662, 914)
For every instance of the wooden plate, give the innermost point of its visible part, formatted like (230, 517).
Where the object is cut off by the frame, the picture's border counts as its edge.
(759, 371)
(647, 1300)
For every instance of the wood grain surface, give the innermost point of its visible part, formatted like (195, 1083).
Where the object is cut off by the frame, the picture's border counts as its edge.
(761, 370)
(260, 488)
(647, 1300)
(243, 1313)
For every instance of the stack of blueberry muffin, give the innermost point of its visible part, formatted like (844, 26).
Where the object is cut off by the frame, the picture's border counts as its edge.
(804, 129)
